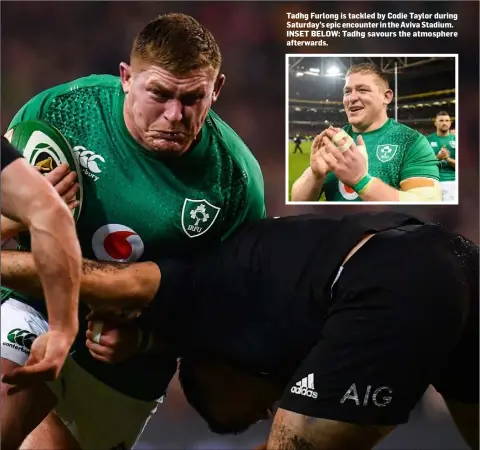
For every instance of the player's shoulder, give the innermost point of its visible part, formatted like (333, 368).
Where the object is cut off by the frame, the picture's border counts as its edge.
(402, 128)
(88, 82)
(232, 143)
(74, 88)
(408, 135)
(431, 136)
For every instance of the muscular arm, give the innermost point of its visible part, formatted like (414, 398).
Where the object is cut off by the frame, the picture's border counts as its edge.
(411, 190)
(380, 191)
(104, 285)
(10, 228)
(292, 431)
(307, 188)
(55, 248)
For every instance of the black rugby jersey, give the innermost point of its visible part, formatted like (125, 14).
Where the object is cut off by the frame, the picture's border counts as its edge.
(259, 299)
(9, 153)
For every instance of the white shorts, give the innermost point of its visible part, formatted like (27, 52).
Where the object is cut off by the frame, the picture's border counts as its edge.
(448, 191)
(100, 418)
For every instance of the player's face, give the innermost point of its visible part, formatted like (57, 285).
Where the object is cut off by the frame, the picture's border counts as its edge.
(164, 112)
(365, 97)
(443, 123)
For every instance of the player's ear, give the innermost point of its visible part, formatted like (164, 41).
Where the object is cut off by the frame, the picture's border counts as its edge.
(388, 97)
(220, 81)
(125, 76)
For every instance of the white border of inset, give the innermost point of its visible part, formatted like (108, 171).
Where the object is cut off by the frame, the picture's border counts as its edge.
(375, 55)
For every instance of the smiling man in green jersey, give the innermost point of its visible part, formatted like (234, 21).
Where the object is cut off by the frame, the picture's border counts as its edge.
(162, 172)
(444, 145)
(374, 158)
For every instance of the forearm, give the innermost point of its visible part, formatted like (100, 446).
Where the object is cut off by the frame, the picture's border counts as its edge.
(308, 187)
(57, 257)
(423, 191)
(103, 285)
(10, 228)
(378, 191)
(451, 162)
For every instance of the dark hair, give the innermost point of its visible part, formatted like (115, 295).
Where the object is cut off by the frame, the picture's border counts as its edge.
(368, 68)
(178, 43)
(443, 113)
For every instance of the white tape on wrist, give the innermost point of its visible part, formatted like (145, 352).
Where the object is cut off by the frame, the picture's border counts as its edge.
(97, 331)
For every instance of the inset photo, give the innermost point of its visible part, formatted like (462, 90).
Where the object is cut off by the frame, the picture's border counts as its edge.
(375, 129)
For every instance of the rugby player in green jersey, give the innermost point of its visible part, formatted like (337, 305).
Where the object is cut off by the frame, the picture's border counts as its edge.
(373, 158)
(444, 145)
(162, 172)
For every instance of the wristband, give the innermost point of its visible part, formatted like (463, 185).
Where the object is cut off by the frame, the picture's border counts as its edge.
(144, 340)
(363, 184)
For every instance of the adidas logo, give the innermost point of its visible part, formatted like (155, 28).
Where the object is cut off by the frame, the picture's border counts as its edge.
(305, 387)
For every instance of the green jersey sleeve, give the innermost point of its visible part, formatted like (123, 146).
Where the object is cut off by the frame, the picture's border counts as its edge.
(420, 161)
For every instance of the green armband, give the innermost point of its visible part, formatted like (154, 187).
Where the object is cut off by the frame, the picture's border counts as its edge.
(363, 184)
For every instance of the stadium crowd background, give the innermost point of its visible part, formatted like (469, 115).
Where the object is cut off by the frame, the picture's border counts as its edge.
(46, 45)
(425, 86)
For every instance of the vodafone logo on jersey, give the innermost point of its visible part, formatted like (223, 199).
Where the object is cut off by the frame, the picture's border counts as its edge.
(346, 191)
(114, 242)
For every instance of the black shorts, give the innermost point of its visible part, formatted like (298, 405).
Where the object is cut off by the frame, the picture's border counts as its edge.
(404, 315)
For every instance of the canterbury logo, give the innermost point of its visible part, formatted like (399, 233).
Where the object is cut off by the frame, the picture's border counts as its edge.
(21, 337)
(305, 387)
(89, 161)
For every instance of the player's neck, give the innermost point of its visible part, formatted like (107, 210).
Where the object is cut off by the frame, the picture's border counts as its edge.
(375, 125)
(443, 134)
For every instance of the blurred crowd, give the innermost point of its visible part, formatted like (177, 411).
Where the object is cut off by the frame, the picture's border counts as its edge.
(44, 44)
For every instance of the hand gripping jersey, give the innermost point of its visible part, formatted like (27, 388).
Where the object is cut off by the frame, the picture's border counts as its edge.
(395, 152)
(447, 172)
(138, 207)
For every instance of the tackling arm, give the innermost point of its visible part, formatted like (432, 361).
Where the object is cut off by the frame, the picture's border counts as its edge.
(55, 248)
(10, 228)
(104, 286)
(292, 431)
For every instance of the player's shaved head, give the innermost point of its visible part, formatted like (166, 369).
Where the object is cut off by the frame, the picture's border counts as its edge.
(367, 68)
(177, 43)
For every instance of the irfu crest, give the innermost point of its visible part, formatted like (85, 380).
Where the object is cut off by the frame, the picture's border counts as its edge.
(198, 216)
(386, 152)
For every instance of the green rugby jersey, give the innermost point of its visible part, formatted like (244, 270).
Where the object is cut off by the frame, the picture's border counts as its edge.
(447, 172)
(395, 152)
(138, 207)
